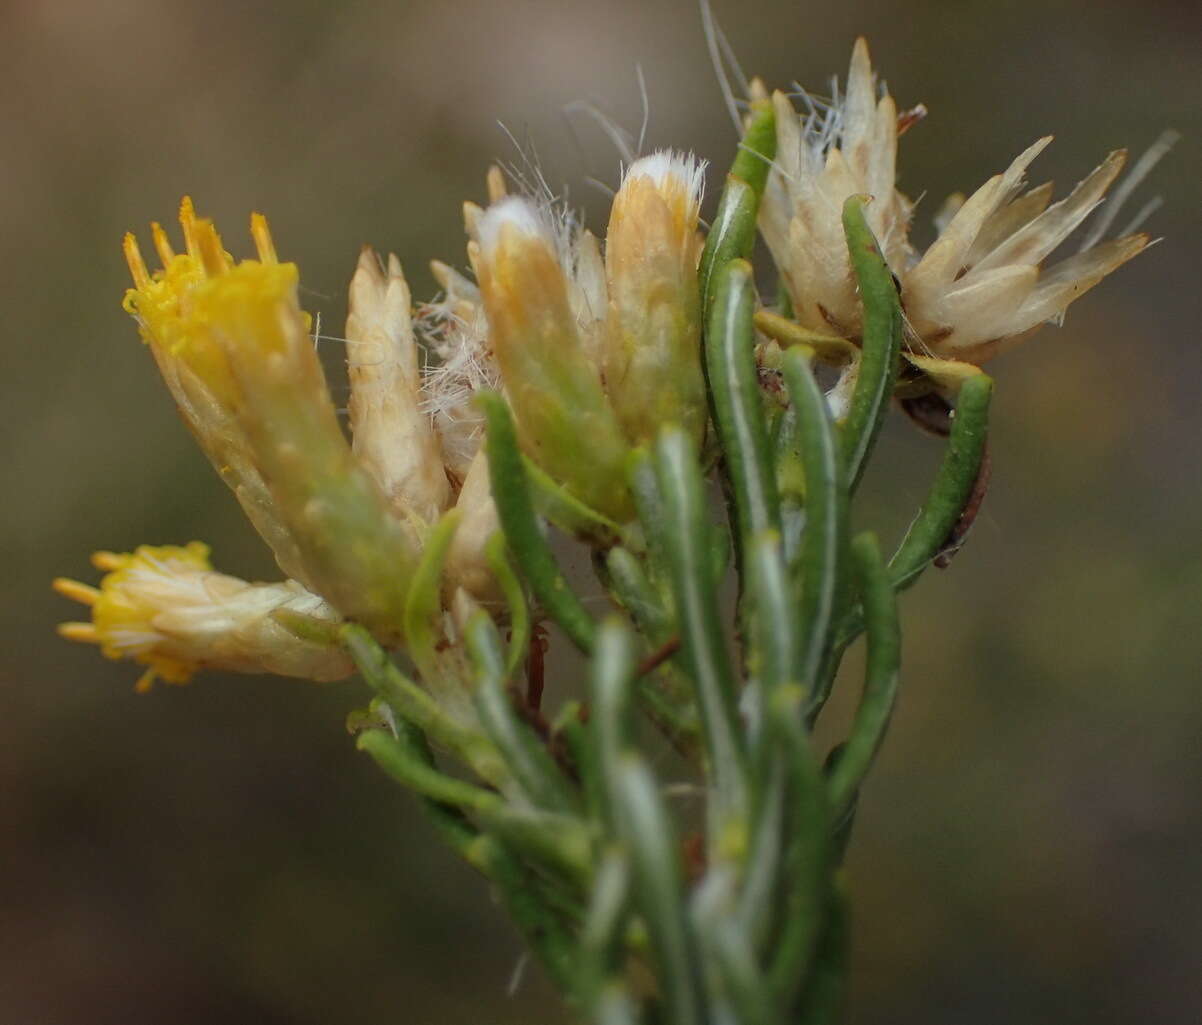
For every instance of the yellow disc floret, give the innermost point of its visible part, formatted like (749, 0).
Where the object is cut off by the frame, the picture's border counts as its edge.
(135, 591)
(177, 306)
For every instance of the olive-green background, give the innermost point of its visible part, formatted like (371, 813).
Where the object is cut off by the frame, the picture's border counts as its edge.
(1028, 850)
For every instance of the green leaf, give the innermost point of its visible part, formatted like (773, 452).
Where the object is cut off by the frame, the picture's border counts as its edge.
(821, 568)
(882, 335)
(822, 1001)
(511, 493)
(732, 233)
(647, 835)
(525, 755)
(399, 761)
(737, 404)
(774, 635)
(423, 601)
(880, 679)
(753, 162)
(496, 553)
(703, 648)
(637, 595)
(953, 486)
(611, 677)
(601, 950)
(803, 896)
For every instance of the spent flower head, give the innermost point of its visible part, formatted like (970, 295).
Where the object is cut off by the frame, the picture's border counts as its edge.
(982, 285)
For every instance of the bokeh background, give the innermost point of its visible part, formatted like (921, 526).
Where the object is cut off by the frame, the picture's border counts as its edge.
(1028, 850)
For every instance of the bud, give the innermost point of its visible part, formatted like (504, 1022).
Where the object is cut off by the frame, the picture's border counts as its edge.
(564, 420)
(652, 362)
(166, 608)
(467, 566)
(393, 438)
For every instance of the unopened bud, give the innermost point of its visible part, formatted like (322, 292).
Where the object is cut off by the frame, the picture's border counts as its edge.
(393, 438)
(652, 361)
(564, 420)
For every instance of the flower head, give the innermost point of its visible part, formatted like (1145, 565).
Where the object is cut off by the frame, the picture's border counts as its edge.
(982, 284)
(167, 608)
(652, 364)
(234, 347)
(533, 303)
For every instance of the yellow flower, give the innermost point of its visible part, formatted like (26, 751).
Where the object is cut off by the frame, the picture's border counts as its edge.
(168, 609)
(235, 350)
(194, 367)
(981, 285)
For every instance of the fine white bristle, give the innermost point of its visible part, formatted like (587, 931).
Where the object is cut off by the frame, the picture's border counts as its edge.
(667, 164)
(516, 213)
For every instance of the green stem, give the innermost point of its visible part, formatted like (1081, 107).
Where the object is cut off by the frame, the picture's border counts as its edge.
(414, 705)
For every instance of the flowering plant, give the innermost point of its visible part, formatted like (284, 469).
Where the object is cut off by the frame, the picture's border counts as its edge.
(595, 390)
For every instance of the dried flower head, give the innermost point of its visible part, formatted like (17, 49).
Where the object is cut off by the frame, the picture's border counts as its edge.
(981, 285)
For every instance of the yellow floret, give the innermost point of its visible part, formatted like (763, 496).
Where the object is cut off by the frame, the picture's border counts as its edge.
(198, 291)
(137, 588)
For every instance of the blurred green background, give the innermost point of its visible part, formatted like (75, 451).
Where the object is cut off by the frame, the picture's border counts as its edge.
(1028, 850)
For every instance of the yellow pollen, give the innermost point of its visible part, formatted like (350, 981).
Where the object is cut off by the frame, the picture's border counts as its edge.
(84, 632)
(161, 244)
(262, 236)
(76, 591)
(133, 257)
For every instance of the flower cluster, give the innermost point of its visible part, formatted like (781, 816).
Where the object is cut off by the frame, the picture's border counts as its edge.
(585, 345)
(595, 347)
